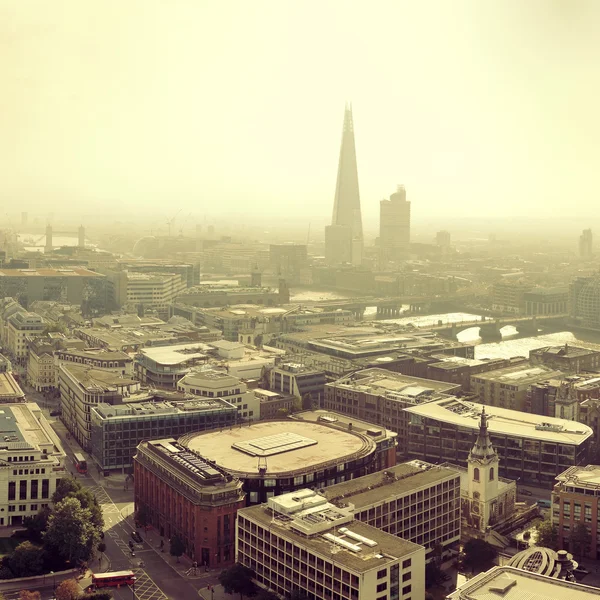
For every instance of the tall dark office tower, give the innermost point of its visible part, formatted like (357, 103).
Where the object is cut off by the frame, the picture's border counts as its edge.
(585, 244)
(346, 224)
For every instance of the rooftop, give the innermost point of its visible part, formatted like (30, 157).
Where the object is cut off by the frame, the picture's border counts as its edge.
(70, 272)
(510, 583)
(238, 449)
(521, 375)
(581, 477)
(140, 409)
(309, 521)
(97, 380)
(566, 350)
(9, 388)
(176, 354)
(393, 482)
(503, 421)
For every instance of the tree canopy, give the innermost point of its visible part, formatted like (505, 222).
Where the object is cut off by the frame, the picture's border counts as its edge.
(69, 487)
(28, 595)
(71, 532)
(142, 515)
(478, 554)
(547, 534)
(68, 590)
(238, 579)
(36, 524)
(26, 560)
(580, 539)
(177, 547)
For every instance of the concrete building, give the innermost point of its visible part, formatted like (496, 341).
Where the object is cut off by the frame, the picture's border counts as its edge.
(545, 561)
(116, 430)
(338, 245)
(305, 383)
(568, 359)
(289, 261)
(415, 501)
(209, 295)
(274, 405)
(69, 285)
(10, 390)
(507, 387)
(164, 366)
(299, 541)
(575, 501)
(586, 246)
(380, 396)
(508, 296)
(99, 358)
(33, 460)
(41, 370)
(81, 388)
(443, 239)
(21, 325)
(274, 457)
(187, 497)
(546, 301)
(210, 383)
(190, 273)
(533, 448)
(510, 583)
(394, 226)
(151, 290)
(584, 301)
(385, 440)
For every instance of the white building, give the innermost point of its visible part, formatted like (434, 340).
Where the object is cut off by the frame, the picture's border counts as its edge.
(300, 541)
(33, 461)
(20, 325)
(217, 384)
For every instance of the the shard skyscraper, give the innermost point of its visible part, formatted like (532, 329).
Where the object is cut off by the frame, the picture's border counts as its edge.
(344, 237)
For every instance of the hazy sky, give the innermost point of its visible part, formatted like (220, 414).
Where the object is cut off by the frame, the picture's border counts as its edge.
(478, 106)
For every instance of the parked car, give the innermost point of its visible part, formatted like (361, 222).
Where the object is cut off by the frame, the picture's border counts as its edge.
(137, 538)
(525, 493)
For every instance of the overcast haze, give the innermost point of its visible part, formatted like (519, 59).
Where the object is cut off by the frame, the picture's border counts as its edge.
(477, 107)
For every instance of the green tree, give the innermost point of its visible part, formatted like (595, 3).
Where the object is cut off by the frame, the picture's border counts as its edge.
(580, 539)
(28, 595)
(37, 524)
(547, 534)
(26, 560)
(177, 547)
(67, 590)
(71, 488)
(142, 515)
(478, 554)
(66, 486)
(238, 579)
(433, 574)
(71, 533)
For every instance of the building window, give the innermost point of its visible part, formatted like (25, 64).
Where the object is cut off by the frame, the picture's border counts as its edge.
(382, 586)
(476, 474)
(492, 474)
(406, 563)
(23, 489)
(45, 488)
(406, 589)
(406, 576)
(12, 490)
(381, 574)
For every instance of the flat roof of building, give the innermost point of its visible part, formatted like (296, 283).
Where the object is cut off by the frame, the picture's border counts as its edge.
(327, 445)
(510, 583)
(388, 547)
(175, 354)
(393, 482)
(97, 380)
(97, 354)
(520, 375)
(148, 408)
(582, 477)
(9, 388)
(66, 272)
(503, 421)
(566, 350)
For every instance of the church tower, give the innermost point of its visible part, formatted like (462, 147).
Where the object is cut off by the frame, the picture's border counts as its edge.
(482, 466)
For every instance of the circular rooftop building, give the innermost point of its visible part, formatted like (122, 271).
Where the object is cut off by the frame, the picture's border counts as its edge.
(544, 561)
(276, 457)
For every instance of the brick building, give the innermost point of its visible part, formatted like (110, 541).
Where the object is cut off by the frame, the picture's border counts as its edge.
(187, 496)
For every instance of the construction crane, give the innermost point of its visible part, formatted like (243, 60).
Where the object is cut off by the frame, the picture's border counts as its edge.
(187, 220)
(172, 220)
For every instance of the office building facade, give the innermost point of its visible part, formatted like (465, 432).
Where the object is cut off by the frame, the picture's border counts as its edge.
(394, 226)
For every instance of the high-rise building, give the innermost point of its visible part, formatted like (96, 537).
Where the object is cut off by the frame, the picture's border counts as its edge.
(346, 222)
(442, 238)
(585, 244)
(394, 225)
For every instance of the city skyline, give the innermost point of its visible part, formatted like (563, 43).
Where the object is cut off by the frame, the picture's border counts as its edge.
(126, 108)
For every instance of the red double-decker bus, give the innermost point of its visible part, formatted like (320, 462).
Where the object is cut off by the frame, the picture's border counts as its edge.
(114, 579)
(80, 463)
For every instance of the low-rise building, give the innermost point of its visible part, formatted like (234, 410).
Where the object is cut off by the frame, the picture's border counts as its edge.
(546, 301)
(116, 430)
(534, 448)
(188, 497)
(164, 366)
(507, 387)
(508, 296)
(569, 359)
(210, 383)
(299, 541)
(307, 384)
(10, 390)
(510, 583)
(115, 361)
(575, 501)
(81, 388)
(274, 405)
(274, 457)
(416, 501)
(380, 396)
(33, 461)
(21, 325)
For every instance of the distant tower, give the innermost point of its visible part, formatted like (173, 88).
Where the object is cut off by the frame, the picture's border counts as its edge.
(255, 277)
(284, 292)
(48, 248)
(346, 219)
(442, 239)
(81, 235)
(482, 466)
(585, 244)
(394, 225)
